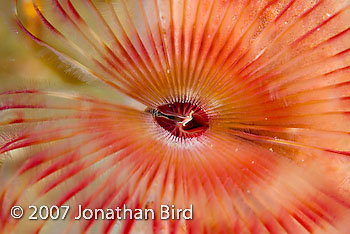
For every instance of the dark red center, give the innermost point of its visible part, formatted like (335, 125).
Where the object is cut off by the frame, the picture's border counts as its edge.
(182, 119)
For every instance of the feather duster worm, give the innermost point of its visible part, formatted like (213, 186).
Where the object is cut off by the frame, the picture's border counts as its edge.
(246, 118)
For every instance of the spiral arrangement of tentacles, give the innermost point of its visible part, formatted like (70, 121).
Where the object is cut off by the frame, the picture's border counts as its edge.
(246, 116)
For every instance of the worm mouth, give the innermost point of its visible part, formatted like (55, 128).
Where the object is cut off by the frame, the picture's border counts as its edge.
(183, 120)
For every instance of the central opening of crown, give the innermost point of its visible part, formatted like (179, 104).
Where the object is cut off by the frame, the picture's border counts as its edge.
(183, 120)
